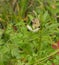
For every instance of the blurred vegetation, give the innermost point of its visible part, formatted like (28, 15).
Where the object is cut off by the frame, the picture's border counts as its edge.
(18, 45)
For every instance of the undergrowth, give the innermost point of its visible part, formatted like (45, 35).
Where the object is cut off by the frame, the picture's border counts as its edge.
(20, 46)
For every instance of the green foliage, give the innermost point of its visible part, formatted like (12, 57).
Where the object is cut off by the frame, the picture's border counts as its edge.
(18, 46)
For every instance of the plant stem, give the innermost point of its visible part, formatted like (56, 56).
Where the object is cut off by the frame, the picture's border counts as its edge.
(45, 58)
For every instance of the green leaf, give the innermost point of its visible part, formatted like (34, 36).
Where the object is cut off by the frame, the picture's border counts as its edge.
(45, 16)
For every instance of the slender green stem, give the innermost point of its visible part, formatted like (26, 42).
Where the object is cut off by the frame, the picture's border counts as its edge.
(45, 58)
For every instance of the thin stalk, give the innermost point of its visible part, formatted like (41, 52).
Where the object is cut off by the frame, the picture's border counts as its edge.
(45, 58)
